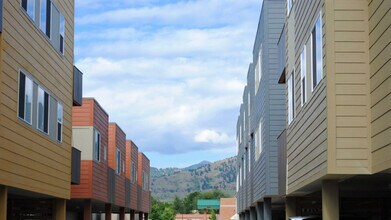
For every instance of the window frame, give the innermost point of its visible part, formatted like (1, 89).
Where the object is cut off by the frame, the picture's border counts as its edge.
(46, 110)
(26, 78)
(97, 145)
(60, 121)
(133, 172)
(291, 97)
(289, 5)
(303, 75)
(317, 52)
(26, 9)
(118, 161)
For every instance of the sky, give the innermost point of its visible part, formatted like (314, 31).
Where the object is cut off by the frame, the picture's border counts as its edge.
(171, 73)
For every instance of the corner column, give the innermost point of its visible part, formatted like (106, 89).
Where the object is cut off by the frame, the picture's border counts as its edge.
(132, 215)
(146, 216)
(122, 213)
(259, 209)
(140, 216)
(290, 207)
(267, 209)
(108, 212)
(60, 209)
(247, 215)
(330, 200)
(87, 209)
(253, 213)
(3, 202)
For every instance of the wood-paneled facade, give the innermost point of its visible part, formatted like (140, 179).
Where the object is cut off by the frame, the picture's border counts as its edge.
(262, 118)
(108, 184)
(144, 193)
(35, 162)
(334, 56)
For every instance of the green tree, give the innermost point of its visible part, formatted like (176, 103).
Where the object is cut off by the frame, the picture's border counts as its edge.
(213, 215)
(179, 205)
(162, 210)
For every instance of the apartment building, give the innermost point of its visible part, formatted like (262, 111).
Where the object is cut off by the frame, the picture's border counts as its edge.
(261, 120)
(90, 135)
(109, 186)
(37, 92)
(338, 85)
(144, 186)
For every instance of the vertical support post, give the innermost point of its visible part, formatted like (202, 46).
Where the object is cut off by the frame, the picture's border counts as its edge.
(247, 215)
(3, 202)
(87, 209)
(131, 214)
(253, 213)
(267, 209)
(140, 216)
(290, 207)
(330, 200)
(146, 215)
(122, 213)
(60, 209)
(108, 212)
(259, 209)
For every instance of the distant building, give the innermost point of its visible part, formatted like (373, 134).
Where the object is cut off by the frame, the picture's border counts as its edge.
(227, 208)
(192, 217)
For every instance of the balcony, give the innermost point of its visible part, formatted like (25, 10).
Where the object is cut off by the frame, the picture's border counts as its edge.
(76, 164)
(77, 87)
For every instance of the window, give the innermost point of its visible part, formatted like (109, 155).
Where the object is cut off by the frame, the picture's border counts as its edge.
(317, 53)
(133, 174)
(258, 70)
(105, 152)
(59, 122)
(244, 166)
(240, 176)
(44, 20)
(244, 120)
(97, 143)
(29, 7)
(289, 4)
(291, 101)
(258, 140)
(145, 181)
(43, 110)
(62, 33)
(249, 104)
(25, 105)
(303, 64)
(240, 134)
(118, 161)
(249, 159)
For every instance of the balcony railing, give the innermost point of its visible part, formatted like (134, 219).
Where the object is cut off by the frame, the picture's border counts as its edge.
(77, 87)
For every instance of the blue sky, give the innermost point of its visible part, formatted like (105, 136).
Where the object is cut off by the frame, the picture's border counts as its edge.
(170, 73)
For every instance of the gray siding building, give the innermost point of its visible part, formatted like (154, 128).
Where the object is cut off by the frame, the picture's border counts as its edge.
(261, 120)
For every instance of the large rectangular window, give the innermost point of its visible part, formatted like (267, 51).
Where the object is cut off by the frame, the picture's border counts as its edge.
(289, 4)
(258, 70)
(303, 65)
(43, 110)
(62, 33)
(25, 105)
(97, 144)
(29, 7)
(44, 21)
(118, 161)
(133, 173)
(317, 53)
(291, 100)
(59, 122)
(258, 140)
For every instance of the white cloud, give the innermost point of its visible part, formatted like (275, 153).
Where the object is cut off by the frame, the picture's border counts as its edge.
(212, 136)
(167, 72)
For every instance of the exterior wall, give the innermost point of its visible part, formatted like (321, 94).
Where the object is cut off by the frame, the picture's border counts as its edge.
(86, 118)
(144, 195)
(24, 46)
(268, 102)
(227, 208)
(117, 139)
(348, 88)
(307, 133)
(380, 83)
(132, 155)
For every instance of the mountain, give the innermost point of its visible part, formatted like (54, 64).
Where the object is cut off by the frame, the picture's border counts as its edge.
(198, 165)
(170, 182)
